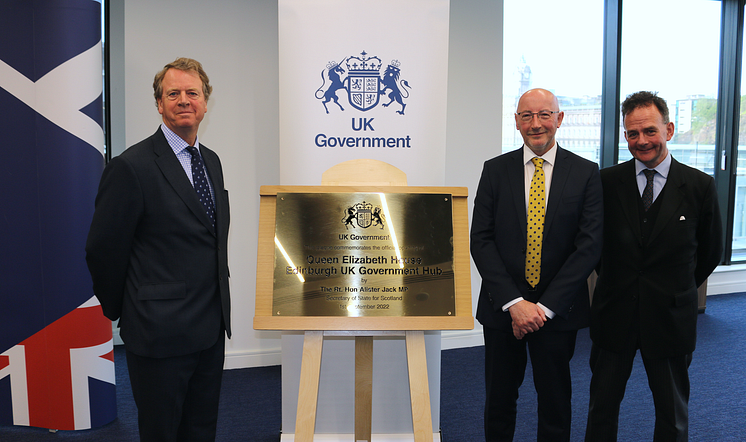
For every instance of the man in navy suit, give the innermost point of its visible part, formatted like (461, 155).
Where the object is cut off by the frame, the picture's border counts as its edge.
(662, 239)
(157, 253)
(515, 310)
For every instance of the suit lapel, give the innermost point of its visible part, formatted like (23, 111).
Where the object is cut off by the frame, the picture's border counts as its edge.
(174, 174)
(627, 192)
(672, 198)
(560, 173)
(517, 182)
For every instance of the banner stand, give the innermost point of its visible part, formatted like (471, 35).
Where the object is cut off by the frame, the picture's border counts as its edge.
(344, 178)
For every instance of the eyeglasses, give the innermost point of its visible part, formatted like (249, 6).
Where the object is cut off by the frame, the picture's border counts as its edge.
(543, 115)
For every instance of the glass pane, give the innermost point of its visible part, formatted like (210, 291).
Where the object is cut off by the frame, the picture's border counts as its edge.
(566, 60)
(739, 215)
(676, 56)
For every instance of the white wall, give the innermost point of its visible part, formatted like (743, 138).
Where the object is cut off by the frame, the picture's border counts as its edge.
(474, 128)
(236, 41)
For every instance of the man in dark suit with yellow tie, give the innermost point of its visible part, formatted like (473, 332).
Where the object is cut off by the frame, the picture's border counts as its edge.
(662, 239)
(157, 253)
(536, 236)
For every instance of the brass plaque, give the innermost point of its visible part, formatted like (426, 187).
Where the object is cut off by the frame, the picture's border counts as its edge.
(363, 254)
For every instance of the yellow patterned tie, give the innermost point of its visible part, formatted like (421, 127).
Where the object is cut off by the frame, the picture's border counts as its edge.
(535, 224)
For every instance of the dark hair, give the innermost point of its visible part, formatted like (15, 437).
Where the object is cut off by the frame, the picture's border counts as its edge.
(645, 99)
(182, 64)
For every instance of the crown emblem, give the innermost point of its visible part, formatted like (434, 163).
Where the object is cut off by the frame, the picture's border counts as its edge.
(365, 207)
(364, 64)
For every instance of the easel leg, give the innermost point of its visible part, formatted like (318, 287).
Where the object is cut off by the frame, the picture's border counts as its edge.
(419, 390)
(308, 393)
(363, 387)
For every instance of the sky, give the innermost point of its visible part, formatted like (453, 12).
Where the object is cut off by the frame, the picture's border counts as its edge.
(668, 46)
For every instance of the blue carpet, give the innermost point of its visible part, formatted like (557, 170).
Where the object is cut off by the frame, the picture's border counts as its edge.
(717, 405)
(250, 406)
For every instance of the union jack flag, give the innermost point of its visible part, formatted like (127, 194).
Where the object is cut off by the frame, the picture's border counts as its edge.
(63, 376)
(56, 363)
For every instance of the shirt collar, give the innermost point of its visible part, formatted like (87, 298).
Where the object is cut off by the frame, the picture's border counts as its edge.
(548, 157)
(176, 142)
(663, 168)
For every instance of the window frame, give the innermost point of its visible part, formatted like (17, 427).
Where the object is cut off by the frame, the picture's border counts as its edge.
(728, 111)
(728, 115)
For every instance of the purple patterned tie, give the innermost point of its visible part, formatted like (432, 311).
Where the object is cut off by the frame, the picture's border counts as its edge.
(647, 194)
(200, 183)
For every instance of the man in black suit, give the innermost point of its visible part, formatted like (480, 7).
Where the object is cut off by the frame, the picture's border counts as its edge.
(543, 308)
(662, 239)
(157, 253)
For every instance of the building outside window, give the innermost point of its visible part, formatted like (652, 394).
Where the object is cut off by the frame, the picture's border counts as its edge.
(678, 58)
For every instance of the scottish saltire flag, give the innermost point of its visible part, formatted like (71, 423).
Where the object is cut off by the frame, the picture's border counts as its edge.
(56, 363)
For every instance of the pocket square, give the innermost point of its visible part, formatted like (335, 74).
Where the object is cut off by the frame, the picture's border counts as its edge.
(682, 218)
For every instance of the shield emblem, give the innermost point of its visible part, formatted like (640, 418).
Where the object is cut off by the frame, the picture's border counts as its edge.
(362, 91)
(364, 214)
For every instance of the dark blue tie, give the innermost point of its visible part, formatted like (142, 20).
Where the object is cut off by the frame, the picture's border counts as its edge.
(647, 194)
(200, 183)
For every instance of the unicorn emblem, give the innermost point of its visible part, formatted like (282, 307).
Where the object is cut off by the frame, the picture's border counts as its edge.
(331, 75)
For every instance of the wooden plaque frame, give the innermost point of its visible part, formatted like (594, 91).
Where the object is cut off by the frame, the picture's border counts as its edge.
(263, 318)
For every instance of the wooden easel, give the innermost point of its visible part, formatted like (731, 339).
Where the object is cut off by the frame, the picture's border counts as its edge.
(311, 370)
(383, 178)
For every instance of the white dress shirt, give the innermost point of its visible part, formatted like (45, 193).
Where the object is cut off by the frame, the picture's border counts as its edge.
(659, 179)
(528, 175)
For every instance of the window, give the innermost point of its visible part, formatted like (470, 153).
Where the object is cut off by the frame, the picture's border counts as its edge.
(739, 212)
(541, 51)
(677, 56)
(592, 54)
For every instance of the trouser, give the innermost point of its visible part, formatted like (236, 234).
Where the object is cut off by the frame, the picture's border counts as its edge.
(505, 366)
(668, 379)
(177, 397)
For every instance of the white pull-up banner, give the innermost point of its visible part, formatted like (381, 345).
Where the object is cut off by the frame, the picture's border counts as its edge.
(363, 79)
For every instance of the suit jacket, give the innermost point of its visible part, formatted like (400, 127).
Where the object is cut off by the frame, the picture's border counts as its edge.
(654, 282)
(571, 246)
(155, 259)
